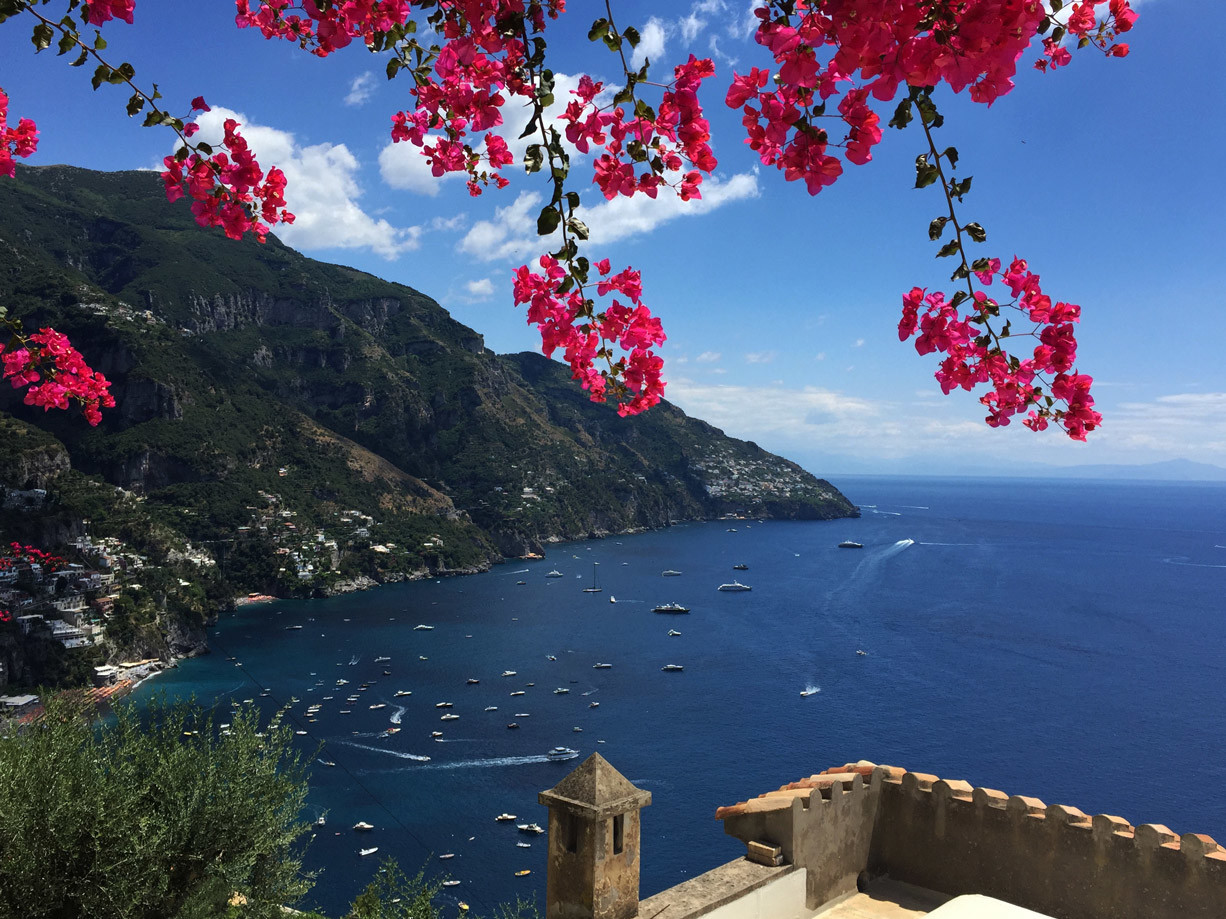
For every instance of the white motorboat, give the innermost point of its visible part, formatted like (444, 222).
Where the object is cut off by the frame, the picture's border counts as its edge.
(447, 855)
(363, 826)
(536, 827)
(593, 705)
(518, 692)
(850, 544)
(673, 633)
(378, 705)
(561, 691)
(371, 851)
(671, 608)
(400, 693)
(442, 705)
(554, 574)
(809, 691)
(423, 628)
(673, 668)
(452, 883)
(734, 587)
(449, 717)
(436, 734)
(601, 666)
(508, 673)
(380, 660)
(505, 818)
(491, 708)
(670, 573)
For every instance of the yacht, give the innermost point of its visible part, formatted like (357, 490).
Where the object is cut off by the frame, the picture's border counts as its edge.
(862, 653)
(554, 574)
(442, 705)
(524, 845)
(363, 825)
(447, 855)
(594, 705)
(378, 705)
(505, 818)
(602, 666)
(472, 681)
(291, 628)
(449, 717)
(561, 691)
(513, 725)
(670, 573)
(673, 633)
(451, 883)
(327, 762)
(550, 657)
(523, 873)
(491, 708)
(321, 820)
(595, 588)
(809, 691)
(734, 587)
(671, 608)
(740, 567)
(518, 692)
(423, 628)
(400, 693)
(849, 544)
(672, 667)
(380, 660)
(436, 734)
(508, 673)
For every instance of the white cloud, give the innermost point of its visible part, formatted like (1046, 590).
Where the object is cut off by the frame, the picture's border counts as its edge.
(402, 166)
(690, 26)
(361, 89)
(820, 356)
(480, 289)
(512, 232)
(748, 24)
(759, 357)
(653, 35)
(859, 343)
(708, 357)
(321, 189)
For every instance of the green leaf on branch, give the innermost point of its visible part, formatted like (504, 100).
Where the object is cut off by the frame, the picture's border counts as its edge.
(68, 41)
(135, 104)
(951, 154)
(981, 264)
(99, 42)
(960, 272)
(567, 285)
(572, 199)
(925, 172)
(578, 227)
(950, 248)
(631, 35)
(958, 297)
(976, 232)
(102, 74)
(902, 115)
(534, 159)
(80, 61)
(548, 221)
(1058, 35)
(928, 111)
(599, 29)
(204, 148)
(393, 67)
(936, 228)
(614, 41)
(958, 189)
(42, 36)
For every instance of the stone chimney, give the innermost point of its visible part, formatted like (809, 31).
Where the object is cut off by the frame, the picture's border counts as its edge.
(593, 869)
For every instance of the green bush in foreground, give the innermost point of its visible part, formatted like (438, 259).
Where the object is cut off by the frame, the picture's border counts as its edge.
(158, 815)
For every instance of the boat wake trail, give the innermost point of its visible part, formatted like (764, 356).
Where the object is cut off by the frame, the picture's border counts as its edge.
(949, 544)
(490, 763)
(396, 753)
(897, 547)
(1188, 564)
(395, 719)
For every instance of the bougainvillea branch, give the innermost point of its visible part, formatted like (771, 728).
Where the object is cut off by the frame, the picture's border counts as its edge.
(834, 61)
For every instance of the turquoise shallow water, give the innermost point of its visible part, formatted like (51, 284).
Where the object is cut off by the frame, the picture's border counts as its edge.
(1066, 641)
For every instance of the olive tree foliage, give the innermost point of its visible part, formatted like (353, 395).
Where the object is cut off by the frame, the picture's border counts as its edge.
(156, 815)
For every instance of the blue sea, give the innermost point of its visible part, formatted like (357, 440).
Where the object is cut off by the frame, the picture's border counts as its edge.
(1055, 639)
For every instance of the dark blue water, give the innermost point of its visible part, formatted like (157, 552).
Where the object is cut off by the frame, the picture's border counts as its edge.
(1066, 641)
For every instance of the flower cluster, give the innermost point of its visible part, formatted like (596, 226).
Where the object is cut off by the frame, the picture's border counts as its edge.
(567, 320)
(101, 11)
(664, 142)
(1083, 22)
(228, 190)
(17, 554)
(55, 373)
(19, 141)
(975, 355)
(825, 49)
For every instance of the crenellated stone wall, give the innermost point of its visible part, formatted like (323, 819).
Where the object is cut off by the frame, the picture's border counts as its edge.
(858, 822)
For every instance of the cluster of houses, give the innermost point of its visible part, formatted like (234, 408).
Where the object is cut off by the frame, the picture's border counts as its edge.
(69, 604)
(727, 476)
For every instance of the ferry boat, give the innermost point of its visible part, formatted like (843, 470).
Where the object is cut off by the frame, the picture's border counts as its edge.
(734, 587)
(671, 608)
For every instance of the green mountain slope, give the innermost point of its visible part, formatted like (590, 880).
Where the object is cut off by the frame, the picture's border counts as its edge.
(254, 382)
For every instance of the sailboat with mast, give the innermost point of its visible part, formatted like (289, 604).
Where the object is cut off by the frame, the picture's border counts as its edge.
(595, 588)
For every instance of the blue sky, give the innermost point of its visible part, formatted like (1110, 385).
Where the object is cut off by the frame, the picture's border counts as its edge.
(781, 308)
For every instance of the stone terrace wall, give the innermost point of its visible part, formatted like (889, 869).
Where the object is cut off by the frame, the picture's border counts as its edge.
(860, 821)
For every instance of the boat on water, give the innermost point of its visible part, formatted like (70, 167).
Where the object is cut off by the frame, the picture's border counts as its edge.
(577, 730)
(363, 826)
(472, 681)
(442, 705)
(513, 725)
(520, 583)
(595, 588)
(462, 906)
(371, 851)
(740, 567)
(508, 673)
(447, 855)
(593, 705)
(451, 883)
(423, 628)
(524, 873)
(380, 660)
(558, 753)
(292, 628)
(561, 691)
(670, 573)
(849, 544)
(734, 587)
(449, 717)
(554, 574)
(550, 657)
(400, 693)
(862, 653)
(505, 817)
(518, 692)
(378, 705)
(436, 734)
(809, 691)
(673, 633)
(321, 820)
(673, 668)
(671, 608)
(491, 708)
(612, 599)
(601, 666)
(327, 762)
(524, 845)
